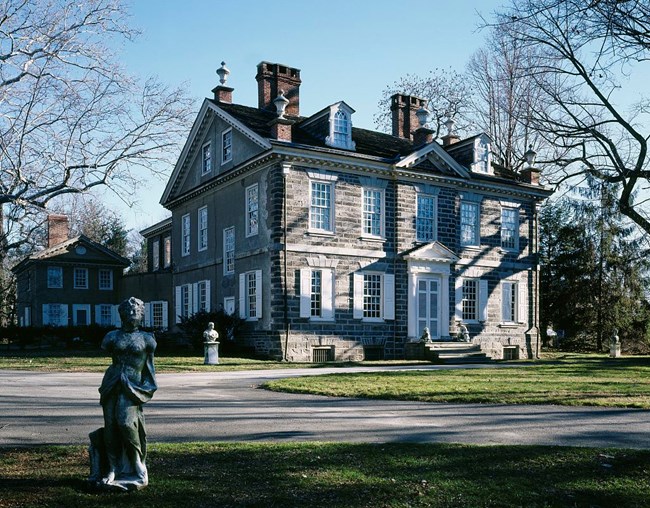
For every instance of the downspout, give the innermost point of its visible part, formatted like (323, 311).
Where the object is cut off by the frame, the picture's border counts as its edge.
(286, 168)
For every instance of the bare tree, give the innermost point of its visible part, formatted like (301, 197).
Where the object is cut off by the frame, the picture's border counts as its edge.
(586, 52)
(71, 118)
(447, 94)
(504, 97)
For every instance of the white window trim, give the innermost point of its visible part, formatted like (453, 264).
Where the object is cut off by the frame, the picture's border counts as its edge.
(74, 278)
(60, 270)
(481, 300)
(63, 316)
(223, 154)
(110, 278)
(202, 234)
(205, 171)
(243, 295)
(516, 231)
(98, 314)
(331, 140)
(514, 286)
(225, 252)
(332, 186)
(382, 214)
(387, 298)
(328, 294)
(435, 216)
(249, 230)
(185, 246)
(81, 306)
(155, 255)
(476, 242)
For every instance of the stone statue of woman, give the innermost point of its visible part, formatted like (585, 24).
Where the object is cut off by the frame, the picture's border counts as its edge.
(118, 451)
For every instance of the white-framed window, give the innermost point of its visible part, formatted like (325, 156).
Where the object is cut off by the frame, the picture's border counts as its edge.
(317, 293)
(340, 135)
(373, 212)
(226, 146)
(186, 300)
(167, 251)
(250, 295)
(105, 279)
(469, 223)
(203, 228)
(206, 159)
(509, 304)
(104, 314)
(374, 296)
(509, 228)
(203, 296)
(155, 255)
(55, 314)
(229, 250)
(425, 220)
(81, 278)
(54, 277)
(471, 299)
(252, 210)
(185, 234)
(321, 206)
(158, 315)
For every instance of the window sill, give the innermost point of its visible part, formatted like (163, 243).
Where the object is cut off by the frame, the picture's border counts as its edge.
(372, 320)
(509, 325)
(471, 247)
(321, 233)
(372, 238)
(322, 320)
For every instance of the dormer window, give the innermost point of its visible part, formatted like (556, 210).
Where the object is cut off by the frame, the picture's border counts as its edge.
(482, 155)
(340, 127)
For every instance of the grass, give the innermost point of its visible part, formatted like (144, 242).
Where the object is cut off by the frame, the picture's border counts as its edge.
(339, 475)
(571, 380)
(94, 361)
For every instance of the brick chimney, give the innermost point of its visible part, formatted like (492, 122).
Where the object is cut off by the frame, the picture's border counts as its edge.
(403, 109)
(272, 79)
(57, 229)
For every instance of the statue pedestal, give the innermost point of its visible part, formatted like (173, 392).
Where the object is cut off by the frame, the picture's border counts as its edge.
(211, 351)
(615, 350)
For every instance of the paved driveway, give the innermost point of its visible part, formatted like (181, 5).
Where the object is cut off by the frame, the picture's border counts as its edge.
(61, 408)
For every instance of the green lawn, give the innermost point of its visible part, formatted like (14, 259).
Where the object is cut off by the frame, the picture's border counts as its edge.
(571, 379)
(339, 475)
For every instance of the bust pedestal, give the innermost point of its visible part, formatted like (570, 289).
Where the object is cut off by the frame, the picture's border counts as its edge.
(615, 350)
(211, 351)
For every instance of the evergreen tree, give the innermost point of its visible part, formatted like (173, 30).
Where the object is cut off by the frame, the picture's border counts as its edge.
(595, 272)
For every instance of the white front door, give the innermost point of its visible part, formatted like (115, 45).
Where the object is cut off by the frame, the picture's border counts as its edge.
(428, 306)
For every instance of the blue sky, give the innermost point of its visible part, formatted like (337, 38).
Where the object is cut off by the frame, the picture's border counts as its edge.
(346, 50)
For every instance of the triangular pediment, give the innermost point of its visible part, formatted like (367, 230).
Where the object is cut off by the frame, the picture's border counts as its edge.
(434, 251)
(432, 154)
(207, 116)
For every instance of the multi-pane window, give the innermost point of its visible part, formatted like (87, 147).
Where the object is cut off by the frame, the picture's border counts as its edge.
(320, 211)
(186, 300)
(55, 314)
(229, 250)
(105, 315)
(469, 223)
(316, 293)
(203, 228)
(206, 159)
(372, 210)
(81, 278)
(372, 295)
(157, 315)
(426, 218)
(509, 302)
(509, 228)
(251, 295)
(226, 143)
(167, 251)
(252, 211)
(54, 277)
(155, 255)
(341, 128)
(202, 291)
(470, 299)
(105, 279)
(185, 235)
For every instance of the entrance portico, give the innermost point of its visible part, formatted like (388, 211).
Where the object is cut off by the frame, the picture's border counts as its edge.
(428, 290)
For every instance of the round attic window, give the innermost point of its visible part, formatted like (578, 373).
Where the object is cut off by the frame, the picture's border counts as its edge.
(80, 249)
